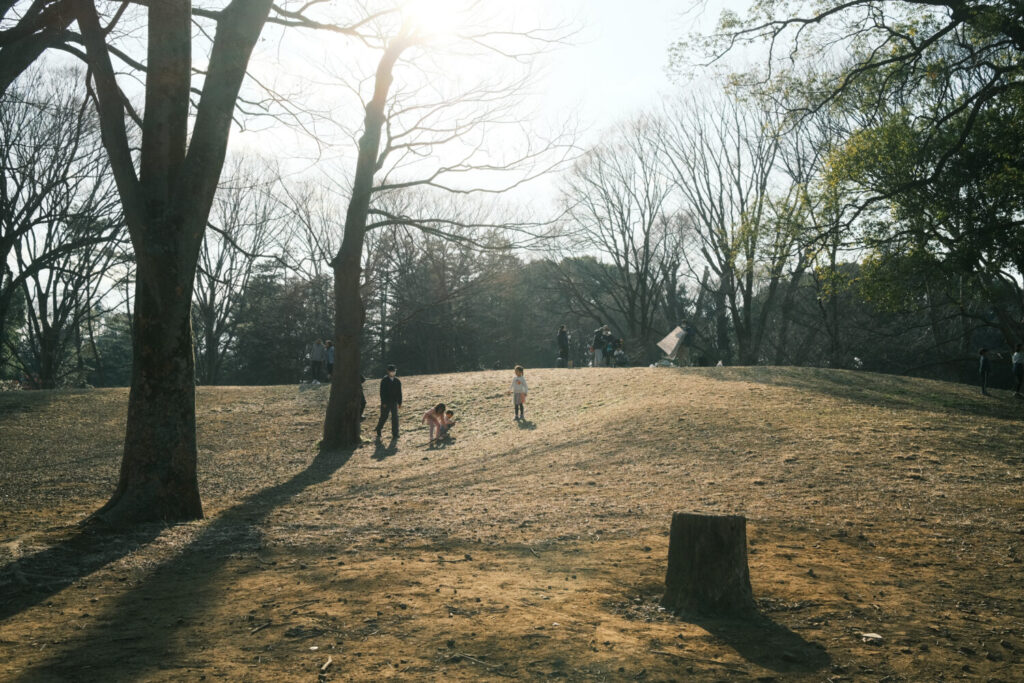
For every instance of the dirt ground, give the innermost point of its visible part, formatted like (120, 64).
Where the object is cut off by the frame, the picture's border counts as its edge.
(875, 504)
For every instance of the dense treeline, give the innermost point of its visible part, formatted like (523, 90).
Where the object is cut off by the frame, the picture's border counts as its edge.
(875, 224)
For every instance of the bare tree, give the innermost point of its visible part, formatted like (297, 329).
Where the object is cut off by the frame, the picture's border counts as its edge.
(824, 237)
(27, 30)
(243, 222)
(62, 299)
(167, 191)
(617, 199)
(54, 197)
(311, 216)
(722, 157)
(403, 136)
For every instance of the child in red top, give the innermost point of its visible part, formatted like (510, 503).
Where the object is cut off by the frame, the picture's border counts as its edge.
(435, 418)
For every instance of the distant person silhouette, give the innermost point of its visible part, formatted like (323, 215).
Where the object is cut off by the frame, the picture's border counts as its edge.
(984, 369)
(329, 355)
(1018, 369)
(563, 346)
(317, 356)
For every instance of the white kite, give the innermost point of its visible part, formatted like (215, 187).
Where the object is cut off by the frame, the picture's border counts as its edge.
(670, 344)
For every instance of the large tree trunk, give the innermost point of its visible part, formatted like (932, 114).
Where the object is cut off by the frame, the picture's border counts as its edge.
(707, 566)
(158, 479)
(166, 207)
(342, 425)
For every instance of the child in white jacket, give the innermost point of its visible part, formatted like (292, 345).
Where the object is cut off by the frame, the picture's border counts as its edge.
(518, 392)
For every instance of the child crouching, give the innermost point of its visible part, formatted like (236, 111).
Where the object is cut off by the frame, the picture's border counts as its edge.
(446, 426)
(435, 419)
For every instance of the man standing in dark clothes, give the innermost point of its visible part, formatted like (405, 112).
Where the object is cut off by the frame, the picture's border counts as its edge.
(390, 401)
(563, 346)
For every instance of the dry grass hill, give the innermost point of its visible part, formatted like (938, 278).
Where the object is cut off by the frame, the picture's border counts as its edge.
(875, 504)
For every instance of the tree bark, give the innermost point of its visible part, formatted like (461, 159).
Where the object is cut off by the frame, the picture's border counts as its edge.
(722, 326)
(707, 566)
(166, 207)
(158, 480)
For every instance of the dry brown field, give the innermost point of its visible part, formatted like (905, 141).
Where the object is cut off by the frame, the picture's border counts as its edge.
(875, 504)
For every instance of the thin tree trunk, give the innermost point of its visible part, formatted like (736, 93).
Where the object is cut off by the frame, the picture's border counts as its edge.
(341, 424)
(722, 327)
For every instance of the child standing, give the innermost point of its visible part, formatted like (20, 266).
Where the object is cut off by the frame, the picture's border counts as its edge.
(435, 418)
(518, 392)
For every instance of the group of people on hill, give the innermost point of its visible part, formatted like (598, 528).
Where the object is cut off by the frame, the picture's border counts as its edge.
(321, 360)
(985, 369)
(605, 348)
(440, 419)
(608, 350)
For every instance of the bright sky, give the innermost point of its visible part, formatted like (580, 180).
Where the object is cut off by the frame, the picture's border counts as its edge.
(618, 66)
(613, 68)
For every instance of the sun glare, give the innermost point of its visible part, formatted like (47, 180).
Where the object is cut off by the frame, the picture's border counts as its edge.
(434, 18)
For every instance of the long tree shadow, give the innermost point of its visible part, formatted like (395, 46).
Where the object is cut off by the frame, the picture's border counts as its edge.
(135, 618)
(12, 402)
(30, 580)
(761, 641)
(877, 389)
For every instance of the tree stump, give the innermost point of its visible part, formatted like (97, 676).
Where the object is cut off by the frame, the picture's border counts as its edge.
(707, 566)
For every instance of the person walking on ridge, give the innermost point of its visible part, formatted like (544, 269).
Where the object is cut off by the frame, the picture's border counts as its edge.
(563, 346)
(1018, 369)
(984, 369)
(317, 356)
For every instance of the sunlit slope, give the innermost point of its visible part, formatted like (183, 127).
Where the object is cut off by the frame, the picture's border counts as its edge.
(529, 550)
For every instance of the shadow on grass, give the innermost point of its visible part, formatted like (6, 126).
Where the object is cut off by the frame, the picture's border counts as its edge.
(889, 391)
(763, 642)
(382, 452)
(32, 579)
(526, 424)
(145, 621)
(12, 402)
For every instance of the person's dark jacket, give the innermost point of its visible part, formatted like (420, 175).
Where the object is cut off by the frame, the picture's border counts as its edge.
(563, 339)
(390, 390)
